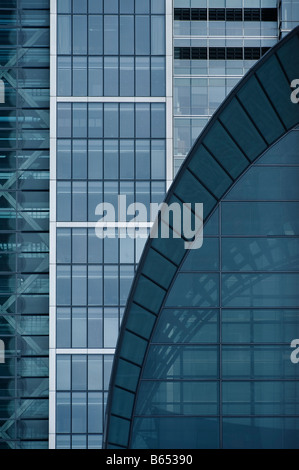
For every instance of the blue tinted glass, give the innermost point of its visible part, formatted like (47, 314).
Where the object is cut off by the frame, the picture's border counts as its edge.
(200, 290)
(111, 84)
(127, 76)
(79, 246)
(64, 159)
(95, 328)
(79, 159)
(157, 76)
(79, 76)
(111, 285)
(95, 413)
(63, 412)
(158, 7)
(79, 201)
(80, 34)
(79, 372)
(64, 79)
(64, 6)
(127, 6)
(79, 6)
(142, 6)
(63, 372)
(64, 116)
(110, 6)
(95, 6)
(127, 120)
(158, 158)
(95, 285)
(95, 159)
(111, 35)
(142, 159)
(64, 44)
(178, 432)
(142, 35)
(143, 120)
(157, 35)
(63, 246)
(142, 65)
(79, 411)
(126, 159)
(158, 120)
(95, 35)
(79, 285)
(95, 76)
(261, 433)
(126, 35)
(111, 116)
(95, 372)
(95, 120)
(260, 290)
(64, 201)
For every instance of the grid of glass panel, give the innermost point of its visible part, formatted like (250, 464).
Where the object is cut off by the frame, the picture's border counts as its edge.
(108, 149)
(82, 385)
(24, 227)
(94, 277)
(240, 133)
(111, 48)
(201, 84)
(231, 359)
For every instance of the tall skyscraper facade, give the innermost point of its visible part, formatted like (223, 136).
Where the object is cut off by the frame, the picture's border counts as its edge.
(98, 98)
(24, 223)
(110, 95)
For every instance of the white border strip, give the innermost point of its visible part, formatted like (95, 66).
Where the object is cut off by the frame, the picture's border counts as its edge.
(110, 99)
(101, 352)
(104, 225)
(169, 92)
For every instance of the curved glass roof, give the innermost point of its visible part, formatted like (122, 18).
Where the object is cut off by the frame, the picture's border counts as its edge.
(255, 115)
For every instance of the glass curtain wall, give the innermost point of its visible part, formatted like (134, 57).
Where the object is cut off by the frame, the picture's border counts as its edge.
(24, 223)
(215, 43)
(111, 140)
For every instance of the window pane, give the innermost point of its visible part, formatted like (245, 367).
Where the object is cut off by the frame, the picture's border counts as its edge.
(95, 35)
(80, 34)
(142, 35)
(79, 330)
(127, 35)
(158, 35)
(110, 35)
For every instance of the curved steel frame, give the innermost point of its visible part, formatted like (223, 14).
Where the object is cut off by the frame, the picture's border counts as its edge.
(148, 293)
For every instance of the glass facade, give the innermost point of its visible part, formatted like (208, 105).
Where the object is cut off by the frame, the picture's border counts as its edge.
(215, 43)
(204, 357)
(109, 140)
(289, 15)
(111, 48)
(24, 224)
(226, 379)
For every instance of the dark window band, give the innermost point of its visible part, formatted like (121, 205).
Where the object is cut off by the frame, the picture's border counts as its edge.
(219, 53)
(225, 14)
